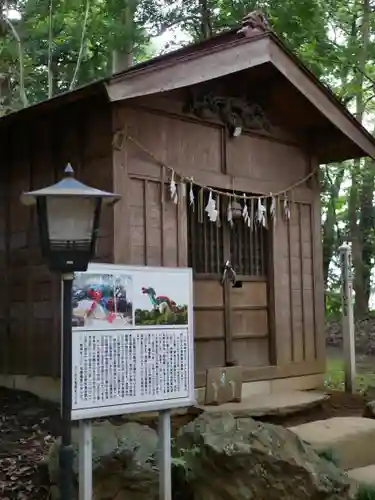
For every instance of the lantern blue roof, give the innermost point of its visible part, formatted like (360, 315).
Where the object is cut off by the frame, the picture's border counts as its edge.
(69, 187)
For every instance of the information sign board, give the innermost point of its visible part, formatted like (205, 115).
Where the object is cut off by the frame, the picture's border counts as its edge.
(132, 340)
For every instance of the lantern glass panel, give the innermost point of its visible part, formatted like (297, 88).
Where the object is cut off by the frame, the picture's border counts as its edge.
(70, 219)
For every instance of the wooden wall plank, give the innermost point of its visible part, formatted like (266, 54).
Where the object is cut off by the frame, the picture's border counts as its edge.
(39, 151)
(122, 217)
(307, 285)
(249, 323)
(171, 141)
(317, 270)
(294, 286)
(265, 160)
(283, 338)
(208, 354)
(251, 353)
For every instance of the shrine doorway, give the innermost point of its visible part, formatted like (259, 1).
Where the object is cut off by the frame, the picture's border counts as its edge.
(231, 319)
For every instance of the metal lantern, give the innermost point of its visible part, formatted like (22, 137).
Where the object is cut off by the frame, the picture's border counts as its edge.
(68, 217)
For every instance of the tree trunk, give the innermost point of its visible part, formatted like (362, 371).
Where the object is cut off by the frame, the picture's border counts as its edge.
(5, 94)
(367, 224)
(359, 285)
(122, 58)
(206, 22)
(329, 225)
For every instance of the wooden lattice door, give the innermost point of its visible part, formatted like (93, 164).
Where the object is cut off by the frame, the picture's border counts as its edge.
(231, 323)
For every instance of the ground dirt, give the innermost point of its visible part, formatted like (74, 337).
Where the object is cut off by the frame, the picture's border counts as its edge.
(29, 425)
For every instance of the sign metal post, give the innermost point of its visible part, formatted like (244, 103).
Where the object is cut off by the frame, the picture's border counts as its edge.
(132, 352)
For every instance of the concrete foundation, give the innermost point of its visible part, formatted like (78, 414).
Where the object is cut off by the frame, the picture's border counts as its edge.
(48, 388)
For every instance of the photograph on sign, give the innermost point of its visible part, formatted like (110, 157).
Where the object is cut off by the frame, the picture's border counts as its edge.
(160, 300)
(102, 301)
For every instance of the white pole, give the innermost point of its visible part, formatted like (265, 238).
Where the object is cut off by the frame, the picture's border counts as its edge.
(164, 458)
(347, 317)
(85, 460)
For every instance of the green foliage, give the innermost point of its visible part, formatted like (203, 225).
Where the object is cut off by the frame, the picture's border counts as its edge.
(182, 471)
(182, 459)
(330, 455)
(168, 317)
(107, 30)
(365, 492)
(335, 376)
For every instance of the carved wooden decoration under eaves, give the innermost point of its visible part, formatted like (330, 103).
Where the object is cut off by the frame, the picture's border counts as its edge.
(231, 111)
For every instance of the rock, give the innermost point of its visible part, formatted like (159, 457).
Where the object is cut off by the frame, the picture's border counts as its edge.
(369, 411)
(350, 439)
(277, 404)
(363, 475)
(54, 492)
(123, 461)
(369, 393)
(241, 459)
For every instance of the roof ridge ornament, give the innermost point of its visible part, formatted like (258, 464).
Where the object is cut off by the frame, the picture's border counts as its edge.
(69, 172)
(254, 24)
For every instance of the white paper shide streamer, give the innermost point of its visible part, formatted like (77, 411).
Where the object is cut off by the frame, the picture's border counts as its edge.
(286, 208)
(230, 213)
(245, 212)
(254, 208)
(173, 189)
(261, 213)
(191, 195)
(211, 208)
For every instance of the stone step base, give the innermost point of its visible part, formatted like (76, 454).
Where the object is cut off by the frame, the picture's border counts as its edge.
(278, 403)
(350, 439)
(363, 475)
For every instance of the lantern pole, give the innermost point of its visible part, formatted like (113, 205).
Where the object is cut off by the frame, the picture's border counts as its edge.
(66, 259)
(66, 453)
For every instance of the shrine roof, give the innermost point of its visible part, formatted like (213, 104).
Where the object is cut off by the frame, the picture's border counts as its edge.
(244, 49)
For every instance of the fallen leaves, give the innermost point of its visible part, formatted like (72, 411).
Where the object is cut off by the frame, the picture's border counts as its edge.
(27, 428)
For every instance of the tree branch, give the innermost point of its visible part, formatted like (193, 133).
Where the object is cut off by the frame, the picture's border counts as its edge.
(80, 53)
(164, 26)
(16, 36)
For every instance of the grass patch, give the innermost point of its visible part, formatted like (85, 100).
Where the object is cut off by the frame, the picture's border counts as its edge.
(330, 455)
(365, 492)
(335, 378)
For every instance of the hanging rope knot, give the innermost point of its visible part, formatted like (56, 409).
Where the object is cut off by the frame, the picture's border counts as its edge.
(229, 274)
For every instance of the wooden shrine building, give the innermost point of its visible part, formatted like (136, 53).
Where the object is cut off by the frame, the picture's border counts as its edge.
(240, 127)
